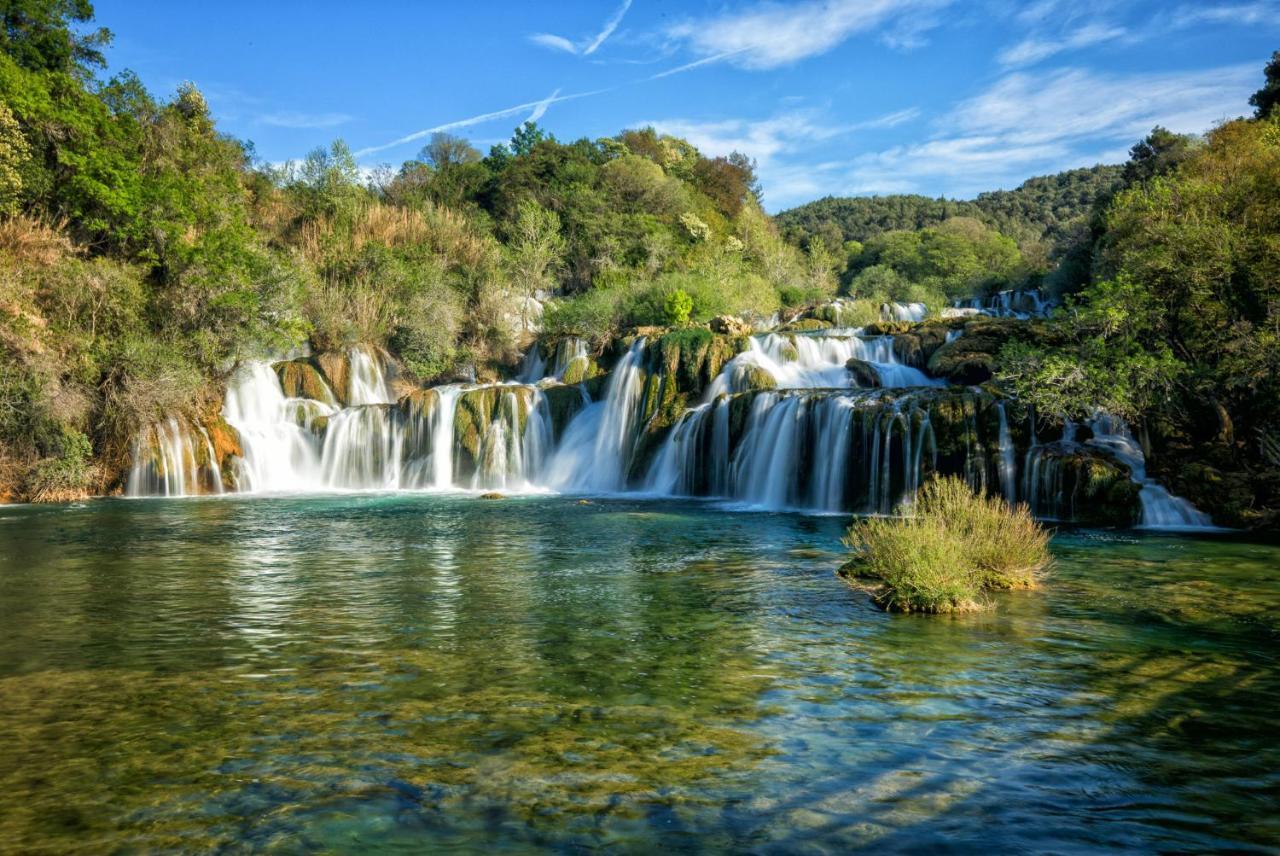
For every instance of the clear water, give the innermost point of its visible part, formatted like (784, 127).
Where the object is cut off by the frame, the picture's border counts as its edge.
(426, 673)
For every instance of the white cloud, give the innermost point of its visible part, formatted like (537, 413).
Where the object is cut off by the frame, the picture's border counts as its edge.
(1033, 124)
(1244, 14)
(1033, 49)
(770, 35)
(779, 145)
(304, 120)
(538, 108)
(1075, 103)
(588, 46)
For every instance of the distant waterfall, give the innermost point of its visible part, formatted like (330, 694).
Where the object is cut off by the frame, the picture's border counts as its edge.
(904, 311)
(171, 458)
(1008, 464)
(597, 446)
(1160, 509)
(816, 361)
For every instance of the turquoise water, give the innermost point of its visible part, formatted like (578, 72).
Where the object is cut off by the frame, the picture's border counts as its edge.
(422, 673)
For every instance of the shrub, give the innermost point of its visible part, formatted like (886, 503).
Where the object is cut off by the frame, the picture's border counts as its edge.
(677, 307)
(952, 548)
(66, 474)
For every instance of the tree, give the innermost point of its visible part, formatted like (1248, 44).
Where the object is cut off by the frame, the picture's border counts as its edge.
(526, 137)
(38, 35)
(677, 307)
(14, 151)
(445, 150)
(535, 249)
(1156, 154)
(1267, 99)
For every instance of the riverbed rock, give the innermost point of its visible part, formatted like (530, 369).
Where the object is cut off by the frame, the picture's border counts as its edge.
(864, 374)
(730, 326)
(300, 379)
(336, 368)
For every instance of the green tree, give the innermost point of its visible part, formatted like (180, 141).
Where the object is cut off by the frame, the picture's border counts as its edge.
(1266, 99)
(446, 150)
(677, 307)
(526, 137)
(38, 35)
(535, 249)
(14, 153)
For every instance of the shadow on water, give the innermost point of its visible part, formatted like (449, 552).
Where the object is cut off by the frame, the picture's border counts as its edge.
(393, 672)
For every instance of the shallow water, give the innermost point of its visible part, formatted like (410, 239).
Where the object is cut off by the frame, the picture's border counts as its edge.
(416, 673)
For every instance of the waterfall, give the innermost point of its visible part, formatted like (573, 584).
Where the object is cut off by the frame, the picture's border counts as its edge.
(1160, 509)
(825, 451)
(1008, 466)
(597, 445)
(913, 312)
(815, 361)
(1014, 303)
(172, 459)
(535, 368)
(368, 382)
(278, 435)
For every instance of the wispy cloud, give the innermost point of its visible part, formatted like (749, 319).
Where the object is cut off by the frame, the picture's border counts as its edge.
(1243, 14)
(782, 146)
(769, 35)
(588, 46)
(304, 120)
(1034, 49)
(538, 107)
(1027, 124)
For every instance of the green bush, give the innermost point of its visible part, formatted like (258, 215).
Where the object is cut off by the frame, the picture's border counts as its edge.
(66, 474)
(949, 549)
(677, 307)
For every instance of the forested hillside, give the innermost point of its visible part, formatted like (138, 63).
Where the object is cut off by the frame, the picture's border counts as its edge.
(144, 252)
(1044, 210)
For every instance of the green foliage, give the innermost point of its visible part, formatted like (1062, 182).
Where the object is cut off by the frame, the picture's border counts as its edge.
(957, 258)
(1266, 99)
(66, 473)
(14, 154)
(949, 549)
(677, 307)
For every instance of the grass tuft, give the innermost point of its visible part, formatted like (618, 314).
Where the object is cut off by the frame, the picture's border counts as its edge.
(948, 551)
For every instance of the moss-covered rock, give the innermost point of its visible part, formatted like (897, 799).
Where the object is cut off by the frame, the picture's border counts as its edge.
(300, 379)
(915, 347)
(336, 368)
(864, 374)
(580, 369)
(754, 379)
(807, 324)
(563, 403)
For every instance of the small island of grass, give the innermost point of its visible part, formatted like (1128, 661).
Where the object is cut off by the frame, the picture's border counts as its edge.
(948, 551)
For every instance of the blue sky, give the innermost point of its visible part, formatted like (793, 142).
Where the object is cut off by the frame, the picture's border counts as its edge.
(840, 97)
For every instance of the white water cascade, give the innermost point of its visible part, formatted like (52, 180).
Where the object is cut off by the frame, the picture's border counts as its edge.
(816, 361)
(301, 445)
(597, 445)
(172, 459)
(1160, 509)
(1008, 465)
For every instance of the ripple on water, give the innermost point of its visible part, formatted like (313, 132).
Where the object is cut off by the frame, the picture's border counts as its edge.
(426, 672)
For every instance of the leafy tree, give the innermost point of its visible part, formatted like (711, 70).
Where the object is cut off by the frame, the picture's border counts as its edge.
(14, 152)
(446, 150)
(535, 249)
(38, 35)
(677, 307)
(1266, 99)
(526, 137)
(1159, 153)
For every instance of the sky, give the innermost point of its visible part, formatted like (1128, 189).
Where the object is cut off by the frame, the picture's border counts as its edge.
(830, 97)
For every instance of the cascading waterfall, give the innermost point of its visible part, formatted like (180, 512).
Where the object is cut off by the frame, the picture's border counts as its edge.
(173, 459)
(904, 311)
(817, 361)
(1160, 509)
(819, 451)
(597, 445)
(784, 424)
(1008, 464)
(1027, 303)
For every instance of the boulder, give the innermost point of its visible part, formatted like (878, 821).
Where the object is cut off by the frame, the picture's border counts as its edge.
(730, 326)
(864, 374)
